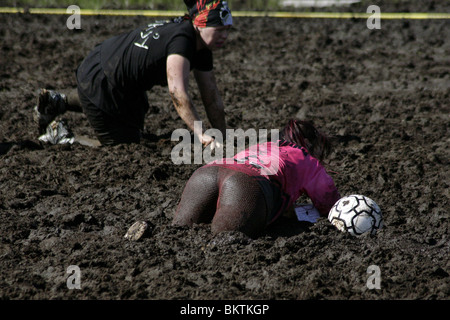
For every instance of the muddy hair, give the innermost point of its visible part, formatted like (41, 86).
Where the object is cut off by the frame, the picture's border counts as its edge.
(304, 134)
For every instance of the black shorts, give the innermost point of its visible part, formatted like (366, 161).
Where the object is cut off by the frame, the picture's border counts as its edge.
(272, 194)
(117, 116)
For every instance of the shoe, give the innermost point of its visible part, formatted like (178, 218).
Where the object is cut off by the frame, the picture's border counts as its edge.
(57, 132)
(50, 104)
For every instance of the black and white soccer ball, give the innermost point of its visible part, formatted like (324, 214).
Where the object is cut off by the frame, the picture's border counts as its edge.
(356, 214)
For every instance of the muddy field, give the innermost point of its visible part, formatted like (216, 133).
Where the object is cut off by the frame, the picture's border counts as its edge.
(383, 94)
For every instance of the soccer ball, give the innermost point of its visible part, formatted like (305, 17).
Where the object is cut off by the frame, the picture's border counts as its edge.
(356, 214)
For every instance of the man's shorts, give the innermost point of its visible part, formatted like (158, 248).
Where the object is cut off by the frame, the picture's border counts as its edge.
(116, 116)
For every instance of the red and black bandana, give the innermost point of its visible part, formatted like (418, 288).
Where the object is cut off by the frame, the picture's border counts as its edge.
(210, 13)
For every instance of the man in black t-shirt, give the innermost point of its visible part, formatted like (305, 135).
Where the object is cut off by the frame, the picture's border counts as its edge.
(113, 79)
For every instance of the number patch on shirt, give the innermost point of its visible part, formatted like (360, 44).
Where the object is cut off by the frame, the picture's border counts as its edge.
(145, 35)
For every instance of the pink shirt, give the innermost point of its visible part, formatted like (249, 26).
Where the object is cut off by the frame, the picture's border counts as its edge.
(292, 168)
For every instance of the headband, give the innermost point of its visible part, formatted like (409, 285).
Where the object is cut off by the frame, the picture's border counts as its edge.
(210, 13)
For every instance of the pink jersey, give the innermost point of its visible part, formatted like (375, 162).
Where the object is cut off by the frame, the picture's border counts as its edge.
(290, 167)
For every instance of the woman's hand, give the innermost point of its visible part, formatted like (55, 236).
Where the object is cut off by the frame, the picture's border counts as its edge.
(207, 140)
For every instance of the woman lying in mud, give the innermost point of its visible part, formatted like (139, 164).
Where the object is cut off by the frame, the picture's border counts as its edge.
(113, 79)
(251, 190)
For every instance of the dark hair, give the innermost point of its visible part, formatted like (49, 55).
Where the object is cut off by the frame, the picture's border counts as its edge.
(304, 134)
(189, 3)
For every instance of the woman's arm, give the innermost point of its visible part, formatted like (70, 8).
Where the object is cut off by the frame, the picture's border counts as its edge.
(322, 190)
(178, 68)
(211, 99)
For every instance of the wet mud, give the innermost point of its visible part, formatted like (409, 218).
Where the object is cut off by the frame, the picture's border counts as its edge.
(382, 94)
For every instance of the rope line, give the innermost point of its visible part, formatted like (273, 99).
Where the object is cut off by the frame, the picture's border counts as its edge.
(279, 14)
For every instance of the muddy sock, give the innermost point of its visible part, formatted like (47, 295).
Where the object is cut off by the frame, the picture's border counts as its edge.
(73, 101)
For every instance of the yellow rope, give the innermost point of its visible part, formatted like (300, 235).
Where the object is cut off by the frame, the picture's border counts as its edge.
(164, 13)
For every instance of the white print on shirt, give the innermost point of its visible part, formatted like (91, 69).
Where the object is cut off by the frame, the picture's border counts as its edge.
(247, 160)
(147, 33)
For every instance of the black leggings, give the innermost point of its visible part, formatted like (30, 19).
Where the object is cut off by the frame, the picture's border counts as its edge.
(117, 116)
(109, 130)
(229, 199)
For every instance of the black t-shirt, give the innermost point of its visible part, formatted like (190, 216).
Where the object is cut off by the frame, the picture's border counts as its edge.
(137, 60)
